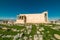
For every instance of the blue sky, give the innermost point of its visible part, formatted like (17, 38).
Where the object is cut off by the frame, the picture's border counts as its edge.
(11, 8)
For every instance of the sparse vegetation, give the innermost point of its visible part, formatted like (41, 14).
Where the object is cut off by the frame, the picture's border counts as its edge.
(47, 33)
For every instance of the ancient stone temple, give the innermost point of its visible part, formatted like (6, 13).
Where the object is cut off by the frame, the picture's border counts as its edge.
(32, 18)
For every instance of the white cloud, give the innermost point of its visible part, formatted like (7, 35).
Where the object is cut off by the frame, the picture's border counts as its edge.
(7, 18)
(54, 18)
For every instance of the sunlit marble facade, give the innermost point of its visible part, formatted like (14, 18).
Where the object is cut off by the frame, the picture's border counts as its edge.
(32, 18)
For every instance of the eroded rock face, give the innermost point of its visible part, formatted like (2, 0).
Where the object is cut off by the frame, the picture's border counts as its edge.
(57, 36)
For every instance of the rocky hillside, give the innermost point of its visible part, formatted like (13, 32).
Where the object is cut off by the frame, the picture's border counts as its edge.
(30, 32)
